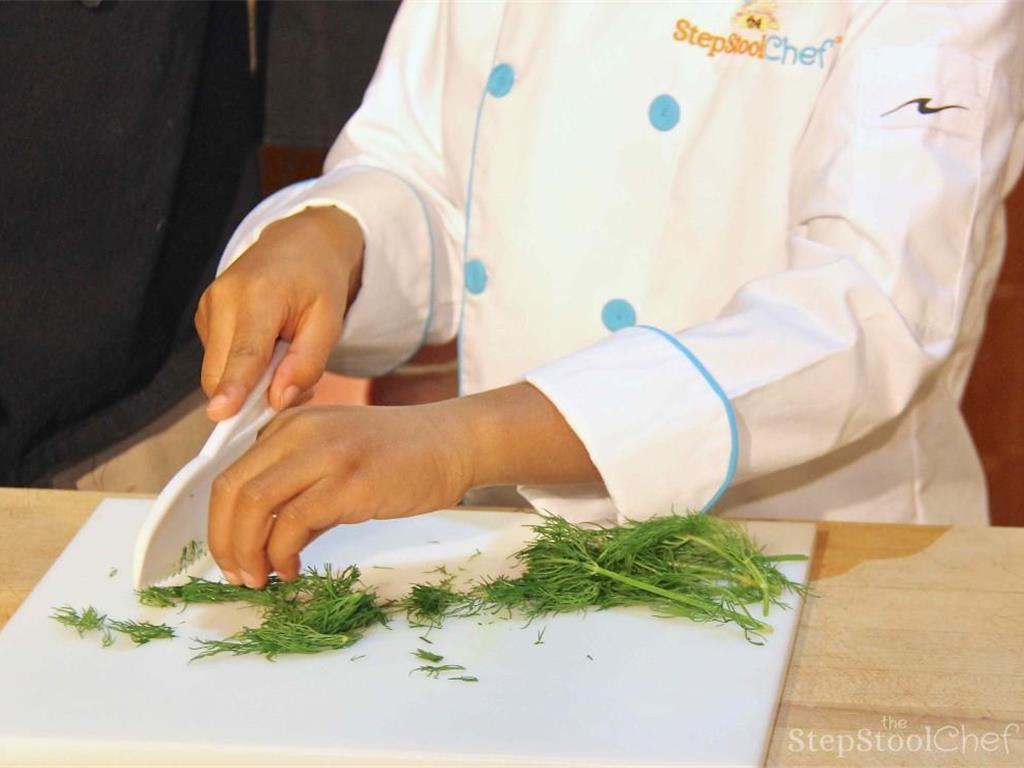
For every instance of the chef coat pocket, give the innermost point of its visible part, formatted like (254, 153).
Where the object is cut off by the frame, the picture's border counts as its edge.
(920, 124)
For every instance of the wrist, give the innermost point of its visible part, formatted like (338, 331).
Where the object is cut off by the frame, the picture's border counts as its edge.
(340, 235)
(514, 435)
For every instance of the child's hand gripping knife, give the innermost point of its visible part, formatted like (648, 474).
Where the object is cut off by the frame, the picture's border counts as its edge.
(295, 283)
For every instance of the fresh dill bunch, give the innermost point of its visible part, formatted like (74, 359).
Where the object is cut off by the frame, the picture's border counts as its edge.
(696, 566)
(89, 620)
(141, 632)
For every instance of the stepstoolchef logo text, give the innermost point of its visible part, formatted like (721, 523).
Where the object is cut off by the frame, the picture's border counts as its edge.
(756, 16)
(896, 737)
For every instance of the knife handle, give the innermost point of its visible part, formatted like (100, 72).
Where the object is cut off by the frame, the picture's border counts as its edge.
(254, 414)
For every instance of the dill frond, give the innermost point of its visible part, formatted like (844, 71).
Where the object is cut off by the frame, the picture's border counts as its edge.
(141, 632)
(89, 620)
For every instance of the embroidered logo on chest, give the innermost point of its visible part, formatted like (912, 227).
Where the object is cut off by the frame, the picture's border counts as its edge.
(758, 37)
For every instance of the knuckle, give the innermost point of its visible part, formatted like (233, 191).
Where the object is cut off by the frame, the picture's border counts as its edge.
(293, 514)
(252, 494)
(244, 349)
(224, 486)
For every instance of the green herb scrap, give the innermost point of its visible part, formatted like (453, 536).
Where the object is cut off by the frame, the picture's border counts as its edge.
(191, 553)
(141, 632)
(427, 605)
(466, 679)
(91, 620)
(436, 670)
(427, 656)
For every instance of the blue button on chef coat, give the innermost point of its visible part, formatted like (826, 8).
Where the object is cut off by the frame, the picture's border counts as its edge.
(501, 80)
(664, 112)
(618, 314)
(476, 276)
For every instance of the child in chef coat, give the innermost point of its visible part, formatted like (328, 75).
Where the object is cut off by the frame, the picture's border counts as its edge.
(694, 257)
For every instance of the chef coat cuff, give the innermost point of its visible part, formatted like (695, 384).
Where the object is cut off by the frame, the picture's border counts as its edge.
(391, 316)
(658, 427)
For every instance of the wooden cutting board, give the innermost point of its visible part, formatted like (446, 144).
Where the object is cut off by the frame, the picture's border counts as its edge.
(618, 687)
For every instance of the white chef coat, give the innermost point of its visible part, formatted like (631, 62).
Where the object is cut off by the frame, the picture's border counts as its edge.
(744, 248)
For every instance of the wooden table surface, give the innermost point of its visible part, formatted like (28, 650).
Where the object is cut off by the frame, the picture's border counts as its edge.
(911, 652)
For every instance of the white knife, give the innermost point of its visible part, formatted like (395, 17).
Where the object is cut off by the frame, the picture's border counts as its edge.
(173, 536)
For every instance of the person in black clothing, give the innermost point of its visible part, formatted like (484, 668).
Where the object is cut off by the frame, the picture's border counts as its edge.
(128, 147)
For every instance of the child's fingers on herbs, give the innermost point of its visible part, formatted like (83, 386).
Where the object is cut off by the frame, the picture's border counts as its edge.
(242, 505)
(293, 531)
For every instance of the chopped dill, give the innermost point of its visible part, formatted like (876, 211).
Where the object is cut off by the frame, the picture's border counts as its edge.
(357, 658)
(540, 636)
(89, 620)
(466, 679)
(427, 656)
(318, 611)
(383, 567)
(476, 554)
(426, 640)
(436, 670)
(590, 657)
(141, 632)
(427, 605)
(190, 554)
(112, 574)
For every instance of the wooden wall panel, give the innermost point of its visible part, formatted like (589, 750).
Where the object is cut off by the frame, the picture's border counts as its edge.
(993, 404)
(994, 400)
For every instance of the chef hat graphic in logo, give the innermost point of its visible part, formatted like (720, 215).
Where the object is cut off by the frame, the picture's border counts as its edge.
(756, 15)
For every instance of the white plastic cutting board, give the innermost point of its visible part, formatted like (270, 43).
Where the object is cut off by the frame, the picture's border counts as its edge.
(609, 688)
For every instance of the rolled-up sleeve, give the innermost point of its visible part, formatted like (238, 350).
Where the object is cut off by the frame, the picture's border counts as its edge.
(890, 217)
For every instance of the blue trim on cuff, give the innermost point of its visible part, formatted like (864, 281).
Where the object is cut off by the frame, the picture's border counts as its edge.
(726, 403)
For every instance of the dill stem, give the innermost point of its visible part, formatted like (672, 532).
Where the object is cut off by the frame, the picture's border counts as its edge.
(743, 563)
(746, 621)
